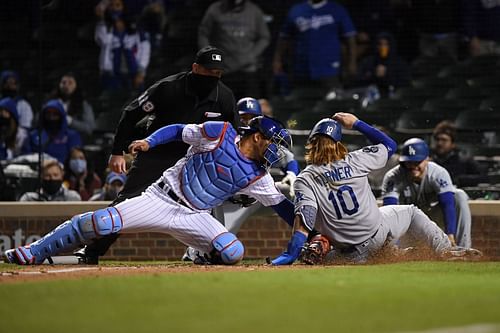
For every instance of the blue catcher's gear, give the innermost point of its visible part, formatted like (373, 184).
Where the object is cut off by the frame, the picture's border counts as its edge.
(414, 150)
(68, 236)
(249, 105)
(210, 178)
(274, 131)
(228, 249)
(327, 127)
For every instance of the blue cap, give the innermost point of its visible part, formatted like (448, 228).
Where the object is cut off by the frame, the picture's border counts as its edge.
(112, 176)
(414, 150)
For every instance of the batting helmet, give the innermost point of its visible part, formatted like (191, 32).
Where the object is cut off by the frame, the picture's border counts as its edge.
(249, 105)
(272, 130)
(414, 150)
(327, 127)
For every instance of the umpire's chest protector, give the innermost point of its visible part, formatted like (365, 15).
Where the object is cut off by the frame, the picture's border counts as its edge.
(211, 177)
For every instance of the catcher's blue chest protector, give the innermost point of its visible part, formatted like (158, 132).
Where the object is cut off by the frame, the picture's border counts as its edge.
(209, 178)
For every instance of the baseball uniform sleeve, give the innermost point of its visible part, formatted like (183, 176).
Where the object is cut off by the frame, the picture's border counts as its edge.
(441, 181)
(305, 202)
(193, 135)
(348, 29)
(264, 191)
(389, 188)
(368, 158)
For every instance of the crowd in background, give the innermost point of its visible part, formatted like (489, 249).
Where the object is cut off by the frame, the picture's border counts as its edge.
(67, 67)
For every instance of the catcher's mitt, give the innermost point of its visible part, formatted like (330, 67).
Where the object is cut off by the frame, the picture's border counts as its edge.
(242, 200)
(314, 252)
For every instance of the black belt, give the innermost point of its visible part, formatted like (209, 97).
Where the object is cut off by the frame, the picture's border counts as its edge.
(172, 195)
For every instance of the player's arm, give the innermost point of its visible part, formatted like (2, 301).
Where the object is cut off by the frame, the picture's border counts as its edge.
(447, 204)
(299, 237)
(285, 210)
(390, 195)
(163, 135)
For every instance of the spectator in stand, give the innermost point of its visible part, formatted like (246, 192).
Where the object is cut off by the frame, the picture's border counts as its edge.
(384, 68)
(481, 26)
(237, 27)
(446, 153)
(9, 83)
(79, 175)
(114, 184)
(52, 186)
(79, 113)
(316, 28)
(57, 138)
(12, 137)
(125, 49)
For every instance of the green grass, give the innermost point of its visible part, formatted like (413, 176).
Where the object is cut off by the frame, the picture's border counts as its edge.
(379, 298)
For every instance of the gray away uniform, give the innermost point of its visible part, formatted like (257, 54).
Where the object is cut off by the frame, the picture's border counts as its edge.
(347, 212)
(397, 184)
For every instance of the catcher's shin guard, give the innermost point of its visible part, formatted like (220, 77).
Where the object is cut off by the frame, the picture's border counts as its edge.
(228, 250)
(68, 236)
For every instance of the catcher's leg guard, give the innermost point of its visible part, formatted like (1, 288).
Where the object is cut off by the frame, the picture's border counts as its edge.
(228, 249)
(68, 236)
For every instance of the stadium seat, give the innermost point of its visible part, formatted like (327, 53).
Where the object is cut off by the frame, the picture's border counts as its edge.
(437, 82)
(337, 105)
(449, 107)
(467, 71)
(490, 104)
(417, 122)
(418, 96)
(470, 93)
(474, 120)
(428, 66)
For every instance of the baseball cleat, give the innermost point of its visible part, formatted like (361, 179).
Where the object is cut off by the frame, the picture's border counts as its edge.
(462, 253)
(85, 258)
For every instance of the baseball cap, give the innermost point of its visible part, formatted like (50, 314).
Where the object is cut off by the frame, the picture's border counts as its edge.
(112, 176)
(210, 57)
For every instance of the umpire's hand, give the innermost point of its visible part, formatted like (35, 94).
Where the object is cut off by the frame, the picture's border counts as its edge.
(117, 164)
(137, 146)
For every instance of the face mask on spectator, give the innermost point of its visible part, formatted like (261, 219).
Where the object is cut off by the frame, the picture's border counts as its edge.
(78, 166)
(51, 186)
(52, 125)
(383, 51)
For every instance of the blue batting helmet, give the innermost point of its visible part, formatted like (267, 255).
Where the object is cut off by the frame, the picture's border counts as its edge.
(249, 105)
(272, 130)
(414, 150)
(327, 127)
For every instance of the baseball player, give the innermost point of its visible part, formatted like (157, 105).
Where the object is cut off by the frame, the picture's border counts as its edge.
(196, 96)
(216, 166)
(239, 208)
(421, 182)
(333, 197)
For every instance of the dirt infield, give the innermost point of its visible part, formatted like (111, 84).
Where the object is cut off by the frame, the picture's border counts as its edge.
(57, 272)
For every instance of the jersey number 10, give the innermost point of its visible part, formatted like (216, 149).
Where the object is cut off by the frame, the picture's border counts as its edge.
(337, 197)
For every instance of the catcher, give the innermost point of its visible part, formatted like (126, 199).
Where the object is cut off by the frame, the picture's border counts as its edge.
(332, 195)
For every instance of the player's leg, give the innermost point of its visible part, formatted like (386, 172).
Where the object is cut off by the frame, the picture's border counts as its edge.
(402, 219)
(464, 219)
(68, 236)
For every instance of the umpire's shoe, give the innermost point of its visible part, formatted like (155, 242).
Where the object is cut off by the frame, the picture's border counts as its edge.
(85, 258)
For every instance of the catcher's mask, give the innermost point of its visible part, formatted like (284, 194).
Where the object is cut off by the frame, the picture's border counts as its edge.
(274, 131)
(327, 127)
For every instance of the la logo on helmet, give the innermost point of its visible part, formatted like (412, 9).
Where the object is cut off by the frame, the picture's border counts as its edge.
(216, 57)
(249, 104)
(411, 150)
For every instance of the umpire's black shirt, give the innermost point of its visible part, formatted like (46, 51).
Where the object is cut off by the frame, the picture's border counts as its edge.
(172, 100)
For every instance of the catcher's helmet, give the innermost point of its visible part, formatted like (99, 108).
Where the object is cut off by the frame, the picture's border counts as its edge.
(249, 105)
(327, 127)
(414, 150)
(272, 130)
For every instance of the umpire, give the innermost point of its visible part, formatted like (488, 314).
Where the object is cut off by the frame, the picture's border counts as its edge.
(187, 97)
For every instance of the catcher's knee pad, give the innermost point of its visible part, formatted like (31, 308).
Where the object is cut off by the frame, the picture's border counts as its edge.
(229, 248)
(102, 222)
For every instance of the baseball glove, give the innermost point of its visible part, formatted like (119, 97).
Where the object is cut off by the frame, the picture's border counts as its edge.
(314, 252)
(242, 200)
